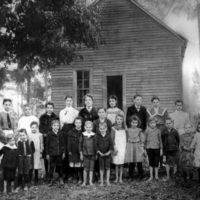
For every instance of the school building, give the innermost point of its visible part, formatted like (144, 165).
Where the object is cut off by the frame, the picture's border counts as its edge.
(140, 54)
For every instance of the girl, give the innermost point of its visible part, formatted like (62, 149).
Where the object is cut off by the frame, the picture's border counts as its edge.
(113, 110)
(73, 150)
(88, 113)
(153, 146)
(102, 119)
(37, 140)
(9, 162)
(25, 150)
(186, 155)
(119, 138)
(196, 147)
(134, 148)
(88, 152)
(67, 117)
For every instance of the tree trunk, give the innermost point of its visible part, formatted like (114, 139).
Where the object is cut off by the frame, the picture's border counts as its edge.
(28, 89)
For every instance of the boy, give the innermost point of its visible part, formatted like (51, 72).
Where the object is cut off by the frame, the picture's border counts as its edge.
(73, 150)
(104, 148)
(55, 151)
(138, 110)
(45, 128)
(179, 117)
(25, 150)
(88, 152)
(170, 140)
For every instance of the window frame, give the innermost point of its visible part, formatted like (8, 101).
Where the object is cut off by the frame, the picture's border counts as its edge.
(75, 86)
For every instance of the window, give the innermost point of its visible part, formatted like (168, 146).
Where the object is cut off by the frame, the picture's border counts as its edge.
(83, 86)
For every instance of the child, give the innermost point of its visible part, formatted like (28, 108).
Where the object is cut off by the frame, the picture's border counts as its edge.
(134, 147)
(55, 151)
(88, 152)
(37, 140)
(9, 162)
(113, 110)
(73, 149)
(196, 147)
(186, 155)
(25, 151)
(153, 146)
(170, 140)
(119, 138)
(102, 119)
(104, 148)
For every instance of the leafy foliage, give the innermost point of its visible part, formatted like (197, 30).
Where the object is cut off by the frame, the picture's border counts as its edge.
(45, 32)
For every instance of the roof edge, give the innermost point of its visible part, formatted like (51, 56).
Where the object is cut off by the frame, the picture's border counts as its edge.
(161, 23)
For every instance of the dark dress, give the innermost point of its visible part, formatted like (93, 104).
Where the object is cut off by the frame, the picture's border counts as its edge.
(88, 116)
(141, 114)
(9, 162)
(186, 154)
(73, 146)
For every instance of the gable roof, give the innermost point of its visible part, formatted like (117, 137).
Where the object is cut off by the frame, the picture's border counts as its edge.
(158, 21)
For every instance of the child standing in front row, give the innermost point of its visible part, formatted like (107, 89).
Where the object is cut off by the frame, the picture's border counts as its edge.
(170, 140)
(55, 151)
(25, 150)
(104, 149)
(186, 154)
(9, 162)
(196, 147)
(119, 138)
(37, 140)
(153, 146)
(134, 147)
(73, 150)
(88, 152)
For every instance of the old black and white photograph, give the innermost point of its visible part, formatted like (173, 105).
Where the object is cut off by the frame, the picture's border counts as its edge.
(99, 99)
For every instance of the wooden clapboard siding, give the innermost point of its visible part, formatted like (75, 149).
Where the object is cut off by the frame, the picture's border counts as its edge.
(137, 46)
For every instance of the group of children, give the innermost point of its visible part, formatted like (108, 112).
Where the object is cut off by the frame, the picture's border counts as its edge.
(92, 146)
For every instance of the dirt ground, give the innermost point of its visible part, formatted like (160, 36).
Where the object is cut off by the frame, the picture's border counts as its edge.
(136, 190)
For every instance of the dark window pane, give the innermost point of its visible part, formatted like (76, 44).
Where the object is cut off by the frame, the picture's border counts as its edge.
(79, 84)
(86, 83)
(79, 75)
(86, 75)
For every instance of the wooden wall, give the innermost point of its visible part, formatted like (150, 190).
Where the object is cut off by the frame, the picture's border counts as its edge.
(146, 53)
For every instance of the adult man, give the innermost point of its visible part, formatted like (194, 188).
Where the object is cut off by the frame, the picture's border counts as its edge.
(179, 117)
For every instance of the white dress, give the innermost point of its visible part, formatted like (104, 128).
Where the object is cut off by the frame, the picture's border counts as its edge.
(196, 146)
(38, 144)
(118, 157)
(25, 122)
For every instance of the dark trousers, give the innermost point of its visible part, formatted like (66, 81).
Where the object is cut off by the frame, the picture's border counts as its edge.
(132, 169)
(55, 164)
(35, 175)
(77, 173)
(23, 180)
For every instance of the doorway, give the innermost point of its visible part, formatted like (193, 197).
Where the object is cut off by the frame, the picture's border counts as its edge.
(115, 87)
